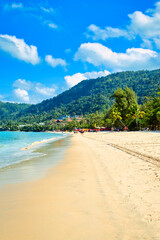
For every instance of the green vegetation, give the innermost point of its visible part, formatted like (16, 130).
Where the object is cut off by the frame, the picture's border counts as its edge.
(152, 111)
(125, 110)
(118, 100)
(10, 110)
(93, 95)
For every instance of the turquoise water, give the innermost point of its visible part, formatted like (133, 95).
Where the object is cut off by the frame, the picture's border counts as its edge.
(12, 143)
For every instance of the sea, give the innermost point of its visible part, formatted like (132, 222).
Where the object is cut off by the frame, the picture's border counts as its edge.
(24, 155)
(13, 144)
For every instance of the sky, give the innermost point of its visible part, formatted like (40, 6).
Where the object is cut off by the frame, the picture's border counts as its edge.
(47, 47)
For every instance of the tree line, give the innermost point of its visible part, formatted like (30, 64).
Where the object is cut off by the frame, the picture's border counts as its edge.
(125, 112)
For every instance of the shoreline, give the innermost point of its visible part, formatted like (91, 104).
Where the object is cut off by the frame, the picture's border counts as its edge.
(46, 156)
(36, 143)
(92, 194)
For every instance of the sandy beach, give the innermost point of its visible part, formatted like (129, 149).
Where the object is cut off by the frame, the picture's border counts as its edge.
(106, 188)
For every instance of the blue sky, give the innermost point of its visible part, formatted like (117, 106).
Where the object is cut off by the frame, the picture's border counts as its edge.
(47, 47)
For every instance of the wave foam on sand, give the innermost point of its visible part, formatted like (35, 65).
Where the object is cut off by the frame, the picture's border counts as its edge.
(37, 143)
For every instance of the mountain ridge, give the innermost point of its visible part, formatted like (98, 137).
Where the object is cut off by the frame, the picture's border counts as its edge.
(103, 88)
(93, 95)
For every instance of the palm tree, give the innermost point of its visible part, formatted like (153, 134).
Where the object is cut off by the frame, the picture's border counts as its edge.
(116, 115)
(135, 114)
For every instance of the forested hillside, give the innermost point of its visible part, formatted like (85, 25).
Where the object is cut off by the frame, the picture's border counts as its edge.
(91, 95)
(86, 97)
(10, 110)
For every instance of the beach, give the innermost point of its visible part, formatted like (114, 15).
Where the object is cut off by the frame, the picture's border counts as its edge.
(107, 187)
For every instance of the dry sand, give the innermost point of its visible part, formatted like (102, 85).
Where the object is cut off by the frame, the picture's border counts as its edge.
(98, 192)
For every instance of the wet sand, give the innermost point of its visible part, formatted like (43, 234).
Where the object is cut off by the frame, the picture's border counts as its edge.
(98, 192)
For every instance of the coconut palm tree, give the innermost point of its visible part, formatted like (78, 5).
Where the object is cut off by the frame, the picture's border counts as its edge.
(116, 115)
(135, 114)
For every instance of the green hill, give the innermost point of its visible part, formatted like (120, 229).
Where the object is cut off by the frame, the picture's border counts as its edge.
(10, 110)
(94, 95)
(87, 97)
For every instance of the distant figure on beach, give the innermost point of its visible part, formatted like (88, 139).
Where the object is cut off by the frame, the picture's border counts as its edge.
(126, 128)
(82, 132)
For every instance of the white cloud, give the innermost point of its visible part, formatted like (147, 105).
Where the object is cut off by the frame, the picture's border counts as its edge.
(21, 94)
(144, 25)
(74, 79)
(32, 92)
(17, 5)
(48, 23)
(17, 48)
(34, 11)
(146, 44)
(13, 6)
(40, 88)
(28, 7)
(54, 62)
(96, 33)
(147, 26)
(48, 10)
(94, 74)
(23, 84)
(78, 77)
(52, 25)
(133, 59)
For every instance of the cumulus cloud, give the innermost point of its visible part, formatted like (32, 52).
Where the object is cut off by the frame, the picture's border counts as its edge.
(96, 33)
(32, 92)
(133, 59)
(54, 62)
(78, 77)
(40, 88)
(23, 84)
(147, 26)
(17, 48)
(74, 79)
(21, 94)
(144, 25)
